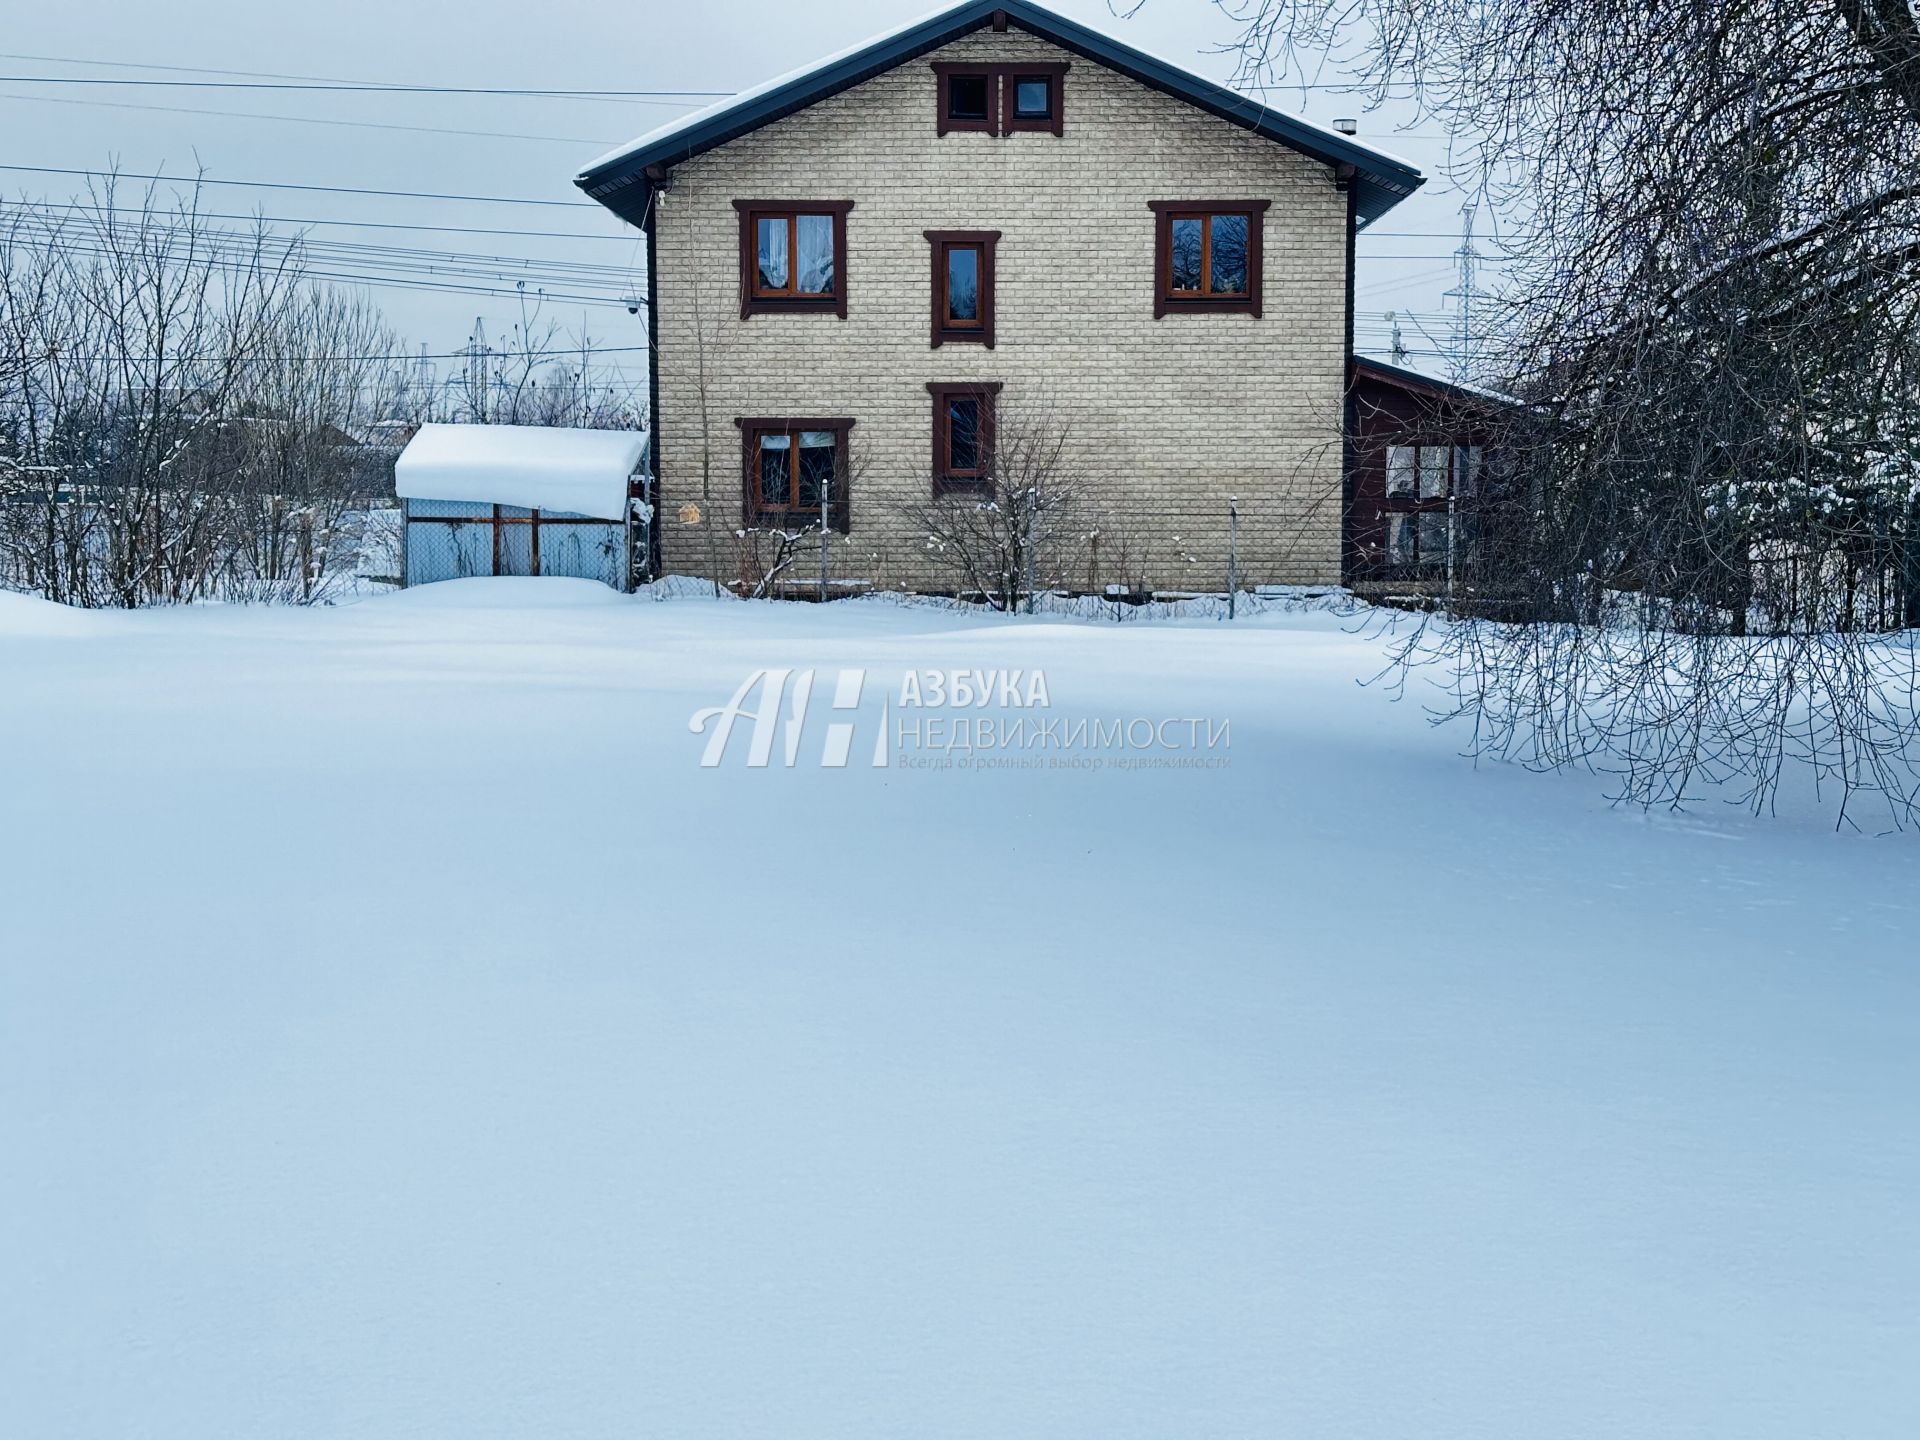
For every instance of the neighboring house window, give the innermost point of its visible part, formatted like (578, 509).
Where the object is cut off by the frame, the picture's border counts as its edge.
(999, 99)
(963, 286)
(789, 466)
(963, 436)
(1428, 522)
(793, 255)
(1206, 255)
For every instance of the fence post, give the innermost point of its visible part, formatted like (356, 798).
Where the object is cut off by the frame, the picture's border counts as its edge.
(1233, 554)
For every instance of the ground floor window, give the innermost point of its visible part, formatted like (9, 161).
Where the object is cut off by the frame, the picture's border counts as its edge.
(794, 470)
(963, 436)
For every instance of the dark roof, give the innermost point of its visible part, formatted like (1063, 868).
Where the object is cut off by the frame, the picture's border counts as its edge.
(1402, 378)
(619, 180)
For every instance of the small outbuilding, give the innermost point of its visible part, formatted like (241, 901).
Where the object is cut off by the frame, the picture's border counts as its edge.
(1417, 472)
(522, 500)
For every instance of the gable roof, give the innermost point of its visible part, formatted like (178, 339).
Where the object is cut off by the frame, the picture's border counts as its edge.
(618, 179)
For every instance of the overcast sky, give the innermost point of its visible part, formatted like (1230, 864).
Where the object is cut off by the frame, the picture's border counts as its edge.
(522, 147)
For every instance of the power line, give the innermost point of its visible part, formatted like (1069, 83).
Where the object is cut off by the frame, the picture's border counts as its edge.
(360, 87)
(237, 262)
(177, 69)
(54, 222)
(288, 185)
(556, 353)
(540, 234)
(329, 80)
(1267, 86)
(300, 119)
(347, 224)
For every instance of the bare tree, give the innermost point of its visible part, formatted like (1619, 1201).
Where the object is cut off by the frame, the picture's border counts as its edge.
(1710, 221)
(539, 373)
(135, 329)
(795, 554)
(1025, 528)
(178, 408)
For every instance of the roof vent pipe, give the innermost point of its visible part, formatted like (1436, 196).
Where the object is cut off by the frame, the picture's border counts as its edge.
(1346, 125)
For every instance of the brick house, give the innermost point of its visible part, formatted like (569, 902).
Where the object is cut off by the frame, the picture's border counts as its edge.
(859, 273)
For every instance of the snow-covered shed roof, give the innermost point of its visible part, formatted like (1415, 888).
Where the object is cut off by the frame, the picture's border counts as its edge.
(619, 180)
(537, 467)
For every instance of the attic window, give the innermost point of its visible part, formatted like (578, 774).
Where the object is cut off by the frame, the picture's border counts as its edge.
(1033, 97)
(998, 99)
(969, 98)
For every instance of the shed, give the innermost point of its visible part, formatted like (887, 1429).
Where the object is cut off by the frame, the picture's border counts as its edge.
(1417, 463)
(520, 500)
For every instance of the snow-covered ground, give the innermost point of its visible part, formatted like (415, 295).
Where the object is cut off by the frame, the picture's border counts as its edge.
(402, 1034)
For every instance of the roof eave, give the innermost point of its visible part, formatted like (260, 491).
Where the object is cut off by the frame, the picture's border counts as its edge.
(1413, 380)
(622, 184)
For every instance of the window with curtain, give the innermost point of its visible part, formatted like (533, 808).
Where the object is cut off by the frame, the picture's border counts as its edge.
(793, 468)
(793, 255)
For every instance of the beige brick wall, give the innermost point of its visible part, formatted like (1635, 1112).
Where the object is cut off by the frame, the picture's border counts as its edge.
(1170, 416)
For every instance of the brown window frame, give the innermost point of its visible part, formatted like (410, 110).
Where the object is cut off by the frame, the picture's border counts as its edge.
(978, 481)
(1451, 501)
(754, 301)
(1000, 118)
(1167, 300)
(944, 123)
(1011, 121)
(947, 331)
(754, 512)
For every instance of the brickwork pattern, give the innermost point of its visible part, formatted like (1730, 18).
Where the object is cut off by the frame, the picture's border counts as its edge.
(1170, 417)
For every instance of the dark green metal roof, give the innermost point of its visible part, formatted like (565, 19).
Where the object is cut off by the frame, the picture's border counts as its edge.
(619, 180)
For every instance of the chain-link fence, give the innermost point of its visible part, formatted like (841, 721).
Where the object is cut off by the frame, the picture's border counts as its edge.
(455, 539)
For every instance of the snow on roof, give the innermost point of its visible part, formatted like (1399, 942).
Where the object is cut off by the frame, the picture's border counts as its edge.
(696, 119)
(706, 112)
(542, 467)
(1405, 374)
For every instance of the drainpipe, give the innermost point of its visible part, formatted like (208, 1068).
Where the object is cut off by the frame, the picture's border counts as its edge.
(1344, 178)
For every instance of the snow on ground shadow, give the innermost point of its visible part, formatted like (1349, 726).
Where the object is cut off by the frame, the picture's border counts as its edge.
(402, 1033)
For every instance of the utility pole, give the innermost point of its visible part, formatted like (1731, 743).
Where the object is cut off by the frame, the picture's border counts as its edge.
(1398, 348)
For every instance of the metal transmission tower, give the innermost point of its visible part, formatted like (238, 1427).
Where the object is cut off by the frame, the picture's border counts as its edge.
(1462, 296)
(477, 371)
